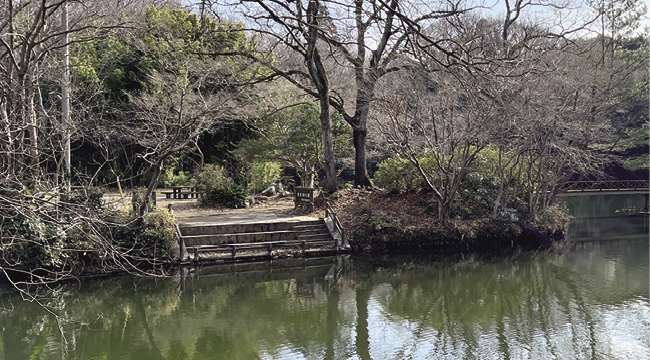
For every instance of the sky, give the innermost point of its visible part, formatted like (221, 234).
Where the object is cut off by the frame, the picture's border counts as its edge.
(497, 8)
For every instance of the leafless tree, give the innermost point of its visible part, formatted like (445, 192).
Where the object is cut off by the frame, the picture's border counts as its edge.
(183, 107)
(35, 212)
(298, 27)
(525, 93)
(370, 38)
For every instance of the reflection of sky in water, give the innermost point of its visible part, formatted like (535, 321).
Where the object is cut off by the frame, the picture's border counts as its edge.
(610, 332)
(623, 330)
(597, 206)
(599, 217)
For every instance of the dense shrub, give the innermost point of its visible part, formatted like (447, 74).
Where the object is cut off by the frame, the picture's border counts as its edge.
(31, 242)
(211, 178)
(156, 236)
(263, 174)
(232, 195)
(476, 196)
(397, 175)
(73, 239)
(219, 189)
(171, 177)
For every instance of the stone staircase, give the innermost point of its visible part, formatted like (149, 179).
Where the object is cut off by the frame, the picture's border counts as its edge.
(251, 241)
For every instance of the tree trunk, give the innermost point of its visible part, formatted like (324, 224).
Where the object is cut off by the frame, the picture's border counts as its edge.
(497, 201)
(366, 82)
(444, 210)
(360, 171)
(360, 134)
(157, 169)
(306, 175)
(7, 162)
(320, 79)
(32, 128)
(329, 182)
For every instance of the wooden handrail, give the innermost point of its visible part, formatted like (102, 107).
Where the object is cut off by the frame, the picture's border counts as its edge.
(329, 212)
(605, 185)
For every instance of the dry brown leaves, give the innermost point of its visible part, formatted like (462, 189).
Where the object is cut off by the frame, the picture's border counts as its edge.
(357, 209)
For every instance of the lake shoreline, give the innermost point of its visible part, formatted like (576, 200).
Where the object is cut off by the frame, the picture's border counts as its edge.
(505, 240)
(378, 222)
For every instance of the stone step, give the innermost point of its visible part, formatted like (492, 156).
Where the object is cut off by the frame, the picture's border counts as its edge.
(317, 236)
(239, 252)
(193, 230)
(256, 237)
(261, 245)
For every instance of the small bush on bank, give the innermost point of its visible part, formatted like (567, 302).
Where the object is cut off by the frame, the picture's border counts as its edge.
(553, 219)
(156, 236)
(34, 243)
(153, 238)
(219, 189)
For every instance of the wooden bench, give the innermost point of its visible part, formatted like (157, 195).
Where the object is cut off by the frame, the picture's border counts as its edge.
(182, 195)
(168, 194)
(190, 194)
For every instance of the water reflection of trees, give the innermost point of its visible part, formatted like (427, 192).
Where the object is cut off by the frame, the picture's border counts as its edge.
(158, 319)
(548, 305)
(543, 304)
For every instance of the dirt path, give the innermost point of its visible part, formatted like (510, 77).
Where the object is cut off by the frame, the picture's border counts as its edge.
(276, 209)
(188, 211)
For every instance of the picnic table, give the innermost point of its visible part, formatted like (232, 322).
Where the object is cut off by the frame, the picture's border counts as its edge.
(178, 193)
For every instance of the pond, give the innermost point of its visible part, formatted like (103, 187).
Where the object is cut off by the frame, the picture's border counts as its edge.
(588, 300)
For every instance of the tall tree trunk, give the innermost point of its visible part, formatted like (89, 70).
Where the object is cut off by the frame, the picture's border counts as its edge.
(29, 119)
(33, 130)
(329, 182)
(310, 180)
(318, 74)
(444, 210)
(360, 134)
(497, 201)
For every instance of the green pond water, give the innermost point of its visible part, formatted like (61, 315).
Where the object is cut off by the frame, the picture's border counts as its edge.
(588, 300)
